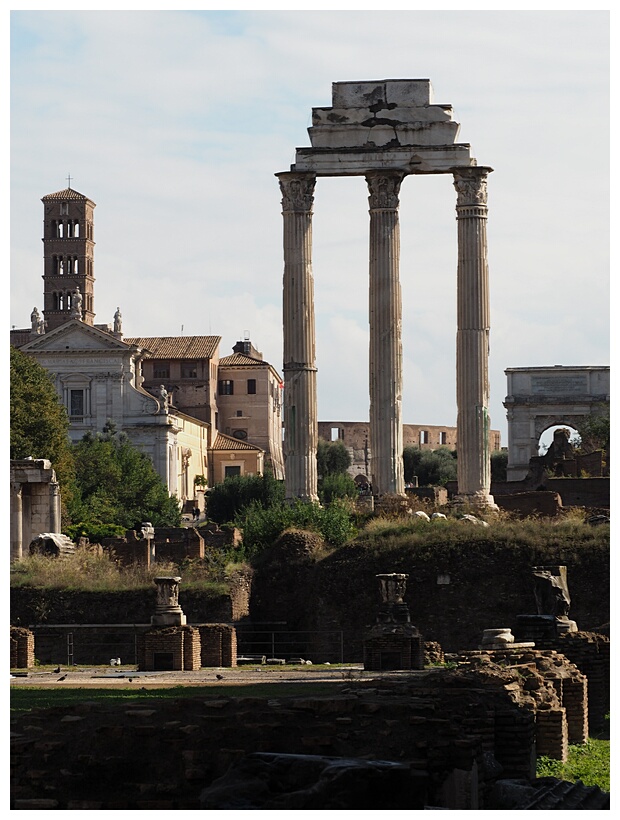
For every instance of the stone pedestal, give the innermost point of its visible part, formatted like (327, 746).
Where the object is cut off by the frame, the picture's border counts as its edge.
(386, 355)
(300, 396)
(393, 642)
(168, 612)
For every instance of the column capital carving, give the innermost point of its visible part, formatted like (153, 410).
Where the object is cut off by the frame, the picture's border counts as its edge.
(471, 185)
(297, 191)
(384, 187)
(16, 488)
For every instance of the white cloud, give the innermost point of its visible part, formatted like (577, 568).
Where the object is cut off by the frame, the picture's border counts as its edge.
(175, 123)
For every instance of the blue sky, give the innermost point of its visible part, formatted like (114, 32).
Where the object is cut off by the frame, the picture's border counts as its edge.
(175, 123)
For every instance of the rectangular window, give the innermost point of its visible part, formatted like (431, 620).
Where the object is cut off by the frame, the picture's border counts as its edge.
(225, 387)
(76, 399)
(231, 471)
(423, 436)
(161, 370)
(239, 413)
(443, 437)
(189, 370)
(251, 386)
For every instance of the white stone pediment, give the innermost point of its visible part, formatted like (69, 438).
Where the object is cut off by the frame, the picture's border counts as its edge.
(75, 335)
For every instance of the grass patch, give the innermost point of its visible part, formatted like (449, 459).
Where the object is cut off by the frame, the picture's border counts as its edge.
(588, 763)
(88, 571)
(26, 699)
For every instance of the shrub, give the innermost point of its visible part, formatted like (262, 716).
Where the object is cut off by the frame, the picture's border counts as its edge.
(262, 526)
(336, 485)
(432, 467)
(229, 498)
(332, 457)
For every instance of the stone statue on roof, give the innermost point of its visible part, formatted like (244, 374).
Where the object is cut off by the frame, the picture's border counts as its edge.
(118, 319)
(37, 323)
(76, 304)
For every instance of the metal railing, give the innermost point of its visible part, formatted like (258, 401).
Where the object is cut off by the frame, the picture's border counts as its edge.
(83, 645)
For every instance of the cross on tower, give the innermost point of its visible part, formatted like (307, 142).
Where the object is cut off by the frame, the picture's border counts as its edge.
(69, 179)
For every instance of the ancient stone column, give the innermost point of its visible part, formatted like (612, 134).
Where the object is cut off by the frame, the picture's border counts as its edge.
(386, 356)
(472, 338)
(300, 397)
(16, 521)
(55, 509)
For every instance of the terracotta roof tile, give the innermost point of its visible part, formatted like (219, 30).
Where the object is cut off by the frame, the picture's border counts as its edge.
(21, 336)
(177, 347)
(242, 359)
(224, 442)
(67, 193)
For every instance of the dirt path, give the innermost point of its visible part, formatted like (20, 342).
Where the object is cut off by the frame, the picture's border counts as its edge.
(102, 677)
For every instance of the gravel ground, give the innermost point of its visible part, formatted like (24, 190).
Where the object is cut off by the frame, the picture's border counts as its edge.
(103, 677)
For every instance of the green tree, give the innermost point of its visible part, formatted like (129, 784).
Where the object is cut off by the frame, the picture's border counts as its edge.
(411, 461)
(499, 462)
(38, 422)
(432, 467)
(227, 499)
(594, 431)
(336, 485)
(117, 486)
(332, 457)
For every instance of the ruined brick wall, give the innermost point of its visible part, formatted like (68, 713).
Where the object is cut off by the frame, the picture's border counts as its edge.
(590, 652)
(172, 647)
(177, 543)
(552, 734)
(549, 684)
(542, 502)
(218, 645)
(441, 723)
(436, 496)
(128, 552)
(22, 648)
(581, 492)
(393, 651)
(356, 437)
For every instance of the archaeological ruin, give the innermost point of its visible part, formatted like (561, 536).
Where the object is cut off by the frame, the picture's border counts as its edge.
(386, 130)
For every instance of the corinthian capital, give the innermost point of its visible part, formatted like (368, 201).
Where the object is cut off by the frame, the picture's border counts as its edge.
(297, 191)
(384, 187)
(471, 185)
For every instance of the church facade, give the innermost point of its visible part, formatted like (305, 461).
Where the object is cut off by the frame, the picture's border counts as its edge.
(160, 391)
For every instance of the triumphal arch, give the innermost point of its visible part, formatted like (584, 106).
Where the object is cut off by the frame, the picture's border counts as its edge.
(542, 397)
(386, 130)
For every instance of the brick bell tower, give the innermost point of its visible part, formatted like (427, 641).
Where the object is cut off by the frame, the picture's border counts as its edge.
(68, 253)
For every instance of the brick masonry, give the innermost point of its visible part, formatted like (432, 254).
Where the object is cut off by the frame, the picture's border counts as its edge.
(164, 753)
(22, 648)
(174, 648)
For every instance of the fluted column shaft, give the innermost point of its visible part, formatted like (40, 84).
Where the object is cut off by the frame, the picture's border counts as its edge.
(385, 315)
(472, 339)
(16, 521)
(300, 395)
